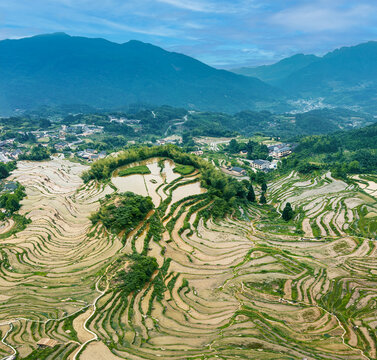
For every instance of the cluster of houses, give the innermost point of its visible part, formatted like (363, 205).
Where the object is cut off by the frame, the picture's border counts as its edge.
(123, 120)
(263, 165)
(51, 134)
(8, 186)
(8, 152)
(236, 171)
(91, 154)
(173, 139)
(61, 146)
(279, 150)
(80, 129)
(60, 134)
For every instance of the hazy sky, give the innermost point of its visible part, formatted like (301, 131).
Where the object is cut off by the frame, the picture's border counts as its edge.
(218, 32)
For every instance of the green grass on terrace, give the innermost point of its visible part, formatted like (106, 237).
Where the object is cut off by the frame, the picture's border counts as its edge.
(184, 169)
(142, 169)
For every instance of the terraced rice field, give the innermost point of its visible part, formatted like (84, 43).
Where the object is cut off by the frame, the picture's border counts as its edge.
(230, 289)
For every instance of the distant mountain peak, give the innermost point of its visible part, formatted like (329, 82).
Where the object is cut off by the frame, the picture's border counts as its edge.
(55, 69)
(272, 74)
(54, 35)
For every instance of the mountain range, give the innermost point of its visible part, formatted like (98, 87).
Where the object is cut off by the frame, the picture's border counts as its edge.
(58, 69)
(344, 77)
(277, 72)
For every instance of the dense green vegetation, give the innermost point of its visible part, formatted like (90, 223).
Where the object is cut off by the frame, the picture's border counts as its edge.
(5, 169)
(137, 274)
(122, 212)
(346, 76)
(36, 153)
(141, 169)
(10, 202)
(288, 212)
(184, 169)
(274, 73)
(115, 75)
(227, 193)
(276, 125)
(102, 169)
(254, 149)
(12, 126)
(148, 120)
(346, 152)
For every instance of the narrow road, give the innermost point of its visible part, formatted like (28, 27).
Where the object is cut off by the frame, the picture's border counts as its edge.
(95, 336)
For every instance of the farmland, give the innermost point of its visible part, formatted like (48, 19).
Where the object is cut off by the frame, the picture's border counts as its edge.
(247, 285)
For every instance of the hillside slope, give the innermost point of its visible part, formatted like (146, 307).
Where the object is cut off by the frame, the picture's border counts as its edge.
(346, 70)
(343, 77)
(59, 69)
(275, 73)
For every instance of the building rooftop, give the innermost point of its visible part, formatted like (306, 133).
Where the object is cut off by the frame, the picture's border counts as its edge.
(47, 342)
(237, 169)
(285, 149)
(260, 162)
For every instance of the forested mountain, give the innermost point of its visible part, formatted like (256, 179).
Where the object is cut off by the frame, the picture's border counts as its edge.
(58, 69)
(345, 152)
(322, 121)
(275, 73)
(344, 77)
(348, 75)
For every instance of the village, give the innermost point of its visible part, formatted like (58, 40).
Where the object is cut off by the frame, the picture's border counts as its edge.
(234, 164)
(276, 153)
(60, 139)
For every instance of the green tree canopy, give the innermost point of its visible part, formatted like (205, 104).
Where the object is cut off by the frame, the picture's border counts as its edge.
(288, 212)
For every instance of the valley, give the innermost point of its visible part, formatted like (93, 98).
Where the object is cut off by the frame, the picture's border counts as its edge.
(188, 180)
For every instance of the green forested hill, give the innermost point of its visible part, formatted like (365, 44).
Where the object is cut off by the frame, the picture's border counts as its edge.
(322, 121)
(275, 73)
(59, 69)
(353, 151)
(344, 77)
(349, 70)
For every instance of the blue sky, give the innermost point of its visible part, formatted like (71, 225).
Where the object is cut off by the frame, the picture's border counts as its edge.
(218, 32)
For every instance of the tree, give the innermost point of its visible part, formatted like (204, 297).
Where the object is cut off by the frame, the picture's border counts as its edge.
(3, 171)
(354, 166)
(36, 153)
(233, 146)
(288, 212)
(250, 146)
(12, 204)
(251, 193)
(260, 177)
(262, 199)
(264, 187)
(44, 123)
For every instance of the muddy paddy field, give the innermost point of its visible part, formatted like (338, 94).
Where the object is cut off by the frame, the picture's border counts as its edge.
(226, 289)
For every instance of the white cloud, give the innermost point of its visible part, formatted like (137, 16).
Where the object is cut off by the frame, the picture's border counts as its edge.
(189, 5)
(230, 7)
(156, 31)
(323, 16)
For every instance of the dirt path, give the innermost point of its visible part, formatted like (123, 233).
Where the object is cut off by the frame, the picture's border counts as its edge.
(84, 327)
(78, 324)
